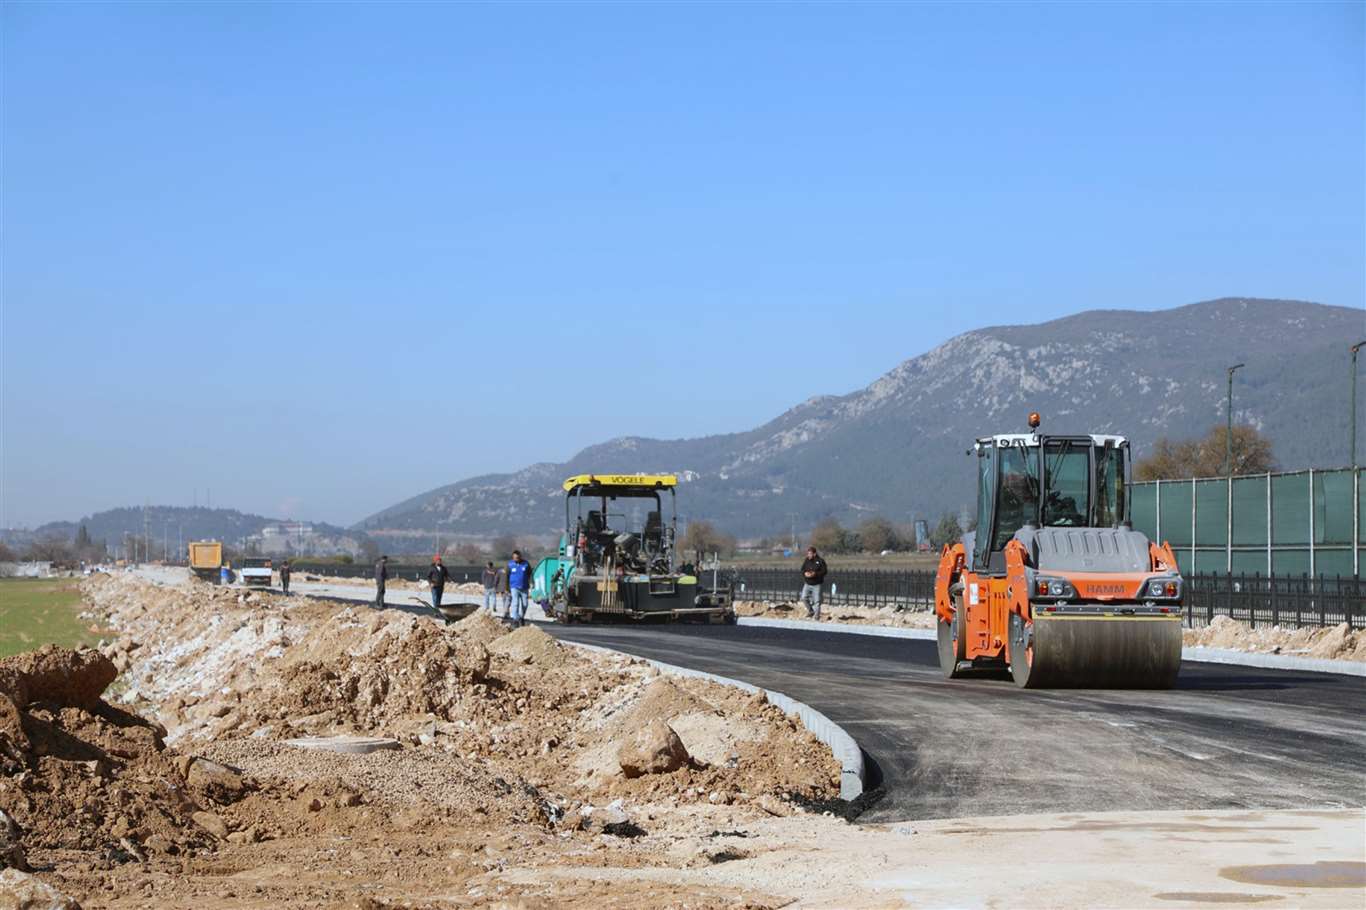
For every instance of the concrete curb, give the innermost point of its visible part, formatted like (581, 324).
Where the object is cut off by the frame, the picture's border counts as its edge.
(823, 728)
(1196, 654)
(1274, 661)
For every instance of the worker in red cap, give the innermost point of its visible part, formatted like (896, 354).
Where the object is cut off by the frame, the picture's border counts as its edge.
(437, 577)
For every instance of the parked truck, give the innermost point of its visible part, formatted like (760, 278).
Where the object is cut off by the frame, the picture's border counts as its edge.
(256, 572)
(206, 559)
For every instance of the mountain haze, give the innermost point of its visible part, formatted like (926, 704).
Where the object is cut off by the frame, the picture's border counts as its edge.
(175, 526)
(897, 447)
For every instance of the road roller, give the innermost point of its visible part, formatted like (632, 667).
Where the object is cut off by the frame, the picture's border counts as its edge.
(1054, 583)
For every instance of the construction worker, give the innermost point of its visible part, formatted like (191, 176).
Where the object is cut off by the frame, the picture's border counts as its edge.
(437, 576)
(381, 576)
(813, 576)
(502, 588)
(284, 576)
(519, 585)
(490, 580)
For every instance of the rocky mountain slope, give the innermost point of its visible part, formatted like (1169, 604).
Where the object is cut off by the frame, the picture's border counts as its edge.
(897, 447)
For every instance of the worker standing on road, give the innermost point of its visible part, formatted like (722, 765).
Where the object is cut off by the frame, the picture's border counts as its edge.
(437, 576)
(490, 580)
(813, 576)
(502, 588)
(381, 576)
(519, 585)
(284, 576)
(225, 574)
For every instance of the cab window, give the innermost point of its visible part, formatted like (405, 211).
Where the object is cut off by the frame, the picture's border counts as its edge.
(1066, 466)
(1017, 492)
(1110, 490)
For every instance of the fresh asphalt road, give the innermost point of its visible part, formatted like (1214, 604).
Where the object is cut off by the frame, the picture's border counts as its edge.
(1226, 737)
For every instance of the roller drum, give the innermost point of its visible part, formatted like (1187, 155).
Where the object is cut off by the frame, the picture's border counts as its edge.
(1100, 652)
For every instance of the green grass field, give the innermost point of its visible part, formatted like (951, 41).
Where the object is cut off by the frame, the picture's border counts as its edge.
(36, 611)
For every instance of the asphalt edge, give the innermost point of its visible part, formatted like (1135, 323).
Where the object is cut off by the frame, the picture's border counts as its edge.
(841, 744)
(1194, 653)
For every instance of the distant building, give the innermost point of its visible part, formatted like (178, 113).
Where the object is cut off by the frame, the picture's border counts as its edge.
(294, 538)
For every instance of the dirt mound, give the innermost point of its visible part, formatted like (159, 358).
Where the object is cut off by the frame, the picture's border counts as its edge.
(530, 645)
(59, 675)
(663, 700)
(480, 627)
(82, 774)
(907, 618)
(393, 673)
(1338, 642)
(537, 714)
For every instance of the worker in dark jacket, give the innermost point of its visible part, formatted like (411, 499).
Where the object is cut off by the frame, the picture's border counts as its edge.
(813, 576)
(284, 576)
(437, 576)
(490, 580)
(381, 576)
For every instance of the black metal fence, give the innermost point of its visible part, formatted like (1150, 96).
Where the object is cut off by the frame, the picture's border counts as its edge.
(906, 589)
(1260, 600)
(1289, 601)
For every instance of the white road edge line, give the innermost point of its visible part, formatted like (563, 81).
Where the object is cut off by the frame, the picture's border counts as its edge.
(823, 728)
(1197, 653)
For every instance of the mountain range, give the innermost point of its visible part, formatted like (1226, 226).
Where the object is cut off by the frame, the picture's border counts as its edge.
(897, 448)
(173, 526)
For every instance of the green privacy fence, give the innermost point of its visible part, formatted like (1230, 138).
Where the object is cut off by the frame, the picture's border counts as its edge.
(1295, 523)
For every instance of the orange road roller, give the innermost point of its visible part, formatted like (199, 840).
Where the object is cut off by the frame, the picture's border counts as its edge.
(1054, 583)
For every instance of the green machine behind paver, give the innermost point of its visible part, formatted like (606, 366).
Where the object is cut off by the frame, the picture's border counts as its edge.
(617, 556)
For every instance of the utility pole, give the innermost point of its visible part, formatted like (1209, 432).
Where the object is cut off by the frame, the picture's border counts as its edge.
(1228, 437)
(1356, 347)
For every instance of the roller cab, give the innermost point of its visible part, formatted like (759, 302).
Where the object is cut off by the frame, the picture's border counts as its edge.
(1054, 584)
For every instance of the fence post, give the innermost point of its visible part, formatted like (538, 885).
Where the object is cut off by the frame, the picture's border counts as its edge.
(1194, 568)
(1228, 523)
(1268, 523)
(1318, 589)
(1311, 521)
(1157, 512)
(1275, 608)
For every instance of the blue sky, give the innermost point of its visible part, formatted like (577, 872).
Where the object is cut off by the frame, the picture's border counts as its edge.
(320, 258)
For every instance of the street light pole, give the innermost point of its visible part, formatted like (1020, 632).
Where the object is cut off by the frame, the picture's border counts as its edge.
(1356, 347)
(1228, 436)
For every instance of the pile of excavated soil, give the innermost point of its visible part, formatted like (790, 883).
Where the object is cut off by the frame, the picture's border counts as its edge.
(867, 616)
(536, 714)
(529, 645)
(1338, 642)
(78, 773)
(507, 786)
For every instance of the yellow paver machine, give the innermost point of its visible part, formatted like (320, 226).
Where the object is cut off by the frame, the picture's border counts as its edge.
(617, 556)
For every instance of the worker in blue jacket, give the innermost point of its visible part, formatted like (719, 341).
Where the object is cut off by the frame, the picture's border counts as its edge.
(519, 584)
